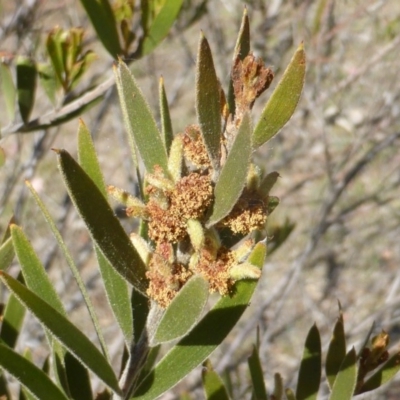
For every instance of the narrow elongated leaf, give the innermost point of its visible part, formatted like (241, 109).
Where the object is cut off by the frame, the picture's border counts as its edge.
(104, 227)
(161, 25)
(34, 273)
(208, 106)
(33, 378)
(115, 286)
(234, 172)
(242, 49)
(283, 101)
(6, 254)
(72, 266)
(166, 125)
(336, 351)
(257, 376)
(383, 375)
(139, 121)
(70, 336)
(345, 382)
(103, 20)
(310, 367)
(78, 378)
(48, 81)
(26, 86)
(184, 311)
(213, 385)
(4, 391)
(12, 320)
(206, 336)
(8, 89)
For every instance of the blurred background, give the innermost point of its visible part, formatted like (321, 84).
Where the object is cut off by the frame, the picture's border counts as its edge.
(335, 236)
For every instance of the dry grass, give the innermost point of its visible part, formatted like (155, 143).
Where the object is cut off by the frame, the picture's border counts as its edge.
(339, 159)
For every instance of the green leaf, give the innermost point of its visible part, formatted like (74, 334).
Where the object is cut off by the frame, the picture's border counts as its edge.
(78, 378)
(8, 90)
(234, 173)
(213, 385)
(257, 376)
(35, 276)
(206, 336)
(310, 367)
(166, 125)
(70, 336)
(268, 183)
(48, 81)
(161, 25)
(103, 225)
(289, 394)
(26, 86)
(184, 311)
(346, 379)
(139, 121)
(283, 101)
(208, 106)
(278, 387)
(336, 351)
(6, 254)
(30, 376)
(4, 391)
(72, 266)
(383, 375)
(102, 17)
(12, 320)
(242, 49)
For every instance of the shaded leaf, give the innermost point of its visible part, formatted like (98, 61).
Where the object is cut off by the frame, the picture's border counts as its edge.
(346, 379)
(139, 121)
(26, 86)
(161, 25)
(184, 311)
(213, 385)
(48, 81)
(106, 231)
(12, 320)
(103, 20)
(383, 375)
(166, 125)
(8, 89)
(206, 336)
(336, 351)
(257, 376)
(33, 378)
(232, 179)
(283, 101)
(208, 102)
(310, 367)
(70, 336)
(78, 378)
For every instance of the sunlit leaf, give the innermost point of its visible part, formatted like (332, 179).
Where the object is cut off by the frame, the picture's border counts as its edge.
(206, 336)
(66, 332)
(33, 378)
(345, 382)
(232, 179)
(139, 121)
(283, 101)
(161, 25)
(208, 102)
(106, 231)
(213, 385)
(310, 367)
(184, 311)
(8, 89)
